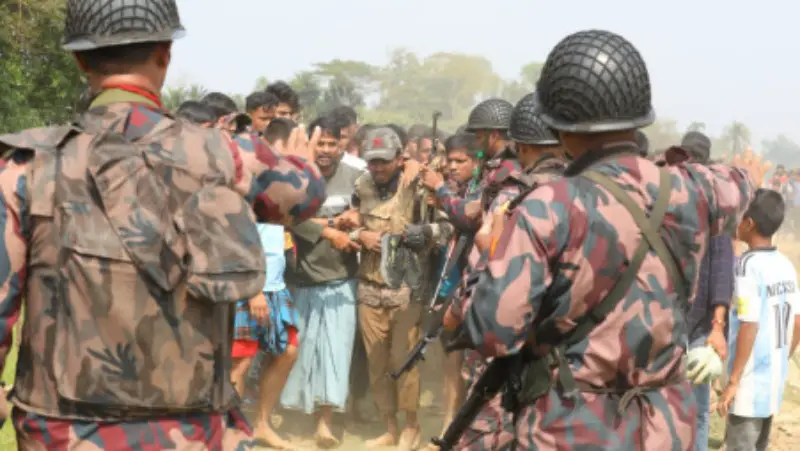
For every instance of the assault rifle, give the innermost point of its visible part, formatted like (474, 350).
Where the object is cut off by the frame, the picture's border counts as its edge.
(437, 308)
(494, 379)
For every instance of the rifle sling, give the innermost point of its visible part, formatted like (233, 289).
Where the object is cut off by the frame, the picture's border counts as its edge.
(650, 239)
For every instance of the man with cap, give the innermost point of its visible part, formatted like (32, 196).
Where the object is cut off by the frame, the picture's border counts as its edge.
(590, 271)
(698, 145)
(389, 311)
(130, 236)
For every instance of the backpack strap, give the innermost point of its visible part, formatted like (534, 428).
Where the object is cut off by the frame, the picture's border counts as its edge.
(650, 239)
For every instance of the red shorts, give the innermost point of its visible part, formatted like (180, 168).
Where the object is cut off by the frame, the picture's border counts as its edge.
(244, 349)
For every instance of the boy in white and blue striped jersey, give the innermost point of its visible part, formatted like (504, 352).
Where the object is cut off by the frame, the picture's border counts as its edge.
(764, 328)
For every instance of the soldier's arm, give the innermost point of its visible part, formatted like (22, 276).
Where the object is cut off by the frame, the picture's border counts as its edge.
(13, 249)
(464, 213)
(510, 287)
(282, 189)
(728, 190)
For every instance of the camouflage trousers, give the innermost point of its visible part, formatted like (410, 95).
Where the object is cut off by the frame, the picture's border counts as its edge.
(216, 432)
(493, 429)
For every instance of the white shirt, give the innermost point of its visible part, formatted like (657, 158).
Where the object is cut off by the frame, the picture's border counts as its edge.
(354, 161)
(766, 293)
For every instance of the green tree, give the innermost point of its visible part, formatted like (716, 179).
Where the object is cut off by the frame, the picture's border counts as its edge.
(173, 97)
(738, 136)
(696, 127)
(781, 150)
(40, 82)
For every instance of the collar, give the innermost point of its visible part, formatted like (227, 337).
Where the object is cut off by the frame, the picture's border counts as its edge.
(608, 151)
(120, 95)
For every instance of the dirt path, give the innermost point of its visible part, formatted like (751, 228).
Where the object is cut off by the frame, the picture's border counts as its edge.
(300, 427)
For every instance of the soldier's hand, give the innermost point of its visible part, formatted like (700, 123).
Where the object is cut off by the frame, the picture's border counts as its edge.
(431, 179)
(259, 308)
(340, 240)
(300, 145)
(450, 322)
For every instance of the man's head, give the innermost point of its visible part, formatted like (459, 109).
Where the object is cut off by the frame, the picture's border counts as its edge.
(221, 105)
(462, 156)
(594, 89)
(489, 121)
(260, 106)
(126, 41)
(424, 149)
(328, 151)
(360, 137)
(763, 217)
(288, 100)
(278, 131)
(382, 151)
(530, 135)
(347, 117)
(197, 113)
(698, 145)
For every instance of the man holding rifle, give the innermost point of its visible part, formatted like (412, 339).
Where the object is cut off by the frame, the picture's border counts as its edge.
(581, 304)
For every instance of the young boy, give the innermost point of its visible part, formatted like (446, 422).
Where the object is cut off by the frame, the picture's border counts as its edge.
(764, 328)
(268, 323)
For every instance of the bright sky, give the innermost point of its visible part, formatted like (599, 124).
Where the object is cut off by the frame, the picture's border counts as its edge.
(712, 61)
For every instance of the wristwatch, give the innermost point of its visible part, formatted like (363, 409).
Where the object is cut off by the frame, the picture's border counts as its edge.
(331, 224)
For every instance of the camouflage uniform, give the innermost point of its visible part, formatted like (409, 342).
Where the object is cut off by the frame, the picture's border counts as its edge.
(569, 241)
(494, 427)
(79, 383)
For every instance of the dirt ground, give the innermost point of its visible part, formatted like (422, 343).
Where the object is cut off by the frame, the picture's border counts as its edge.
(300, 428)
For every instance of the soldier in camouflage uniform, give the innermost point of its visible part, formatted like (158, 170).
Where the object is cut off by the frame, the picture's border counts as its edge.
(541, 158)
(489, 121)
(584, 274)
(130, 236)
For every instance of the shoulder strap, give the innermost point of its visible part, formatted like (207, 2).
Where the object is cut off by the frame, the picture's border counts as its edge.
(650, 239)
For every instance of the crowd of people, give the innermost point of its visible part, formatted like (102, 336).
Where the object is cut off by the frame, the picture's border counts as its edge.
(176, 264)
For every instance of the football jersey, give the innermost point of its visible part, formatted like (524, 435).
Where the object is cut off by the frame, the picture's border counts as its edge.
(765, 293)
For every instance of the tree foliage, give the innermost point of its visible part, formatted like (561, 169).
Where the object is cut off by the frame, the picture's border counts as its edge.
(39, 82)
(39, 85)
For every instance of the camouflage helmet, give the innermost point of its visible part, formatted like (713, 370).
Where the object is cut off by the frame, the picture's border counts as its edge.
(94, 24)
(491, 114)
(594, 81)
(526, 127)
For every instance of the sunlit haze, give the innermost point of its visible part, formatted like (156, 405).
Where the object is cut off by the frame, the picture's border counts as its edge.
(712, 61)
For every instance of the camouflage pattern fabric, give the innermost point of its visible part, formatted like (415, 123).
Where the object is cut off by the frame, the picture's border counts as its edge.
(217, 432)
(281, 190)
(465, 212)
(569, 240)
(493, 429)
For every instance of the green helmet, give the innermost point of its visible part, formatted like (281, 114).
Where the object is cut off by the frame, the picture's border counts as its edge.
(94, 24)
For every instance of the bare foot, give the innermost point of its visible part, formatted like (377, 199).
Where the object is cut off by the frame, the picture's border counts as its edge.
(324, 437)
(386, 439)
(271, 438)
(409, 439)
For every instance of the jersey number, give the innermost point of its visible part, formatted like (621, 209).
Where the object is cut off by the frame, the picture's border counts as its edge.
(782, 314)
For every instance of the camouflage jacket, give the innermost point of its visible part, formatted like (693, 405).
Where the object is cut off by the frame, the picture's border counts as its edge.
(465, 212)
(561, 254)
(281, 190)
